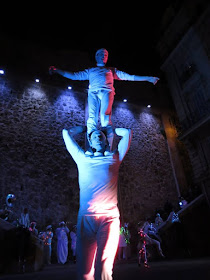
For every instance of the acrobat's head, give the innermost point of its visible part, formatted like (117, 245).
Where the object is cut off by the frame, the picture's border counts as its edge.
(62, 224)
(98, 141)
(49, 228)
(101, 57)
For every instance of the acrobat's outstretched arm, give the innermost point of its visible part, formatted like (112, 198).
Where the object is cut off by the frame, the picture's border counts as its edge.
(53, 70)
(149, 79)
(71, 145)
(81, 75)
(120, 75)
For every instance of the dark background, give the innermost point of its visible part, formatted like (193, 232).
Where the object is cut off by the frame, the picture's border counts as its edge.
(129, 31)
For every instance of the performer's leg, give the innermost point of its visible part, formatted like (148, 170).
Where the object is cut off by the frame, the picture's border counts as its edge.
(110, 136)
(125, 254)
(47, 249)
(65, 251)
(85, 248)
(157, 245)
(145, 257)
(50, 253)
(74, 254)
(58, 251)
(107, 99)
(107, 242)
(120, 253)
(93, 112)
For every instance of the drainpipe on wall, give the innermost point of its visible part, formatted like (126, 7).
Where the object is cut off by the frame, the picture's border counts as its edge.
(170, 140)
(173, 169)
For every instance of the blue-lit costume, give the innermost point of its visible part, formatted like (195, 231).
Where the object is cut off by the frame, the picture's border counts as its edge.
(101, 93)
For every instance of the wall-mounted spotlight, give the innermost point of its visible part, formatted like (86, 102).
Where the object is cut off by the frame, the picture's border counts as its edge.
(69, 87)
(149, 106)
(125, 100)
(1, 72)
(37, 80)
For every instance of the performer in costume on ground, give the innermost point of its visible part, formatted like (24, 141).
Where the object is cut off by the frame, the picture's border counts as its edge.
(145, 240)
(24, 218)
(62, 245)
(124, 242)
(98, 218)
(101, 90)
(47, 237)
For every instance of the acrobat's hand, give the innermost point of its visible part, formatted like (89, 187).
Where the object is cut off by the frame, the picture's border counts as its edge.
(153, 80)
(52, 70)
(77, 129)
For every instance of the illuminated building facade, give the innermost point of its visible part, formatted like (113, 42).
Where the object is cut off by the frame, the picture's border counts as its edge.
(184, 47)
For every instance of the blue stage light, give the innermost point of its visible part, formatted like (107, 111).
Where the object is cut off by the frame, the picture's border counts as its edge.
(1, 72)
(37, 80)
(69, 87)
(125, 100)
(149, 106)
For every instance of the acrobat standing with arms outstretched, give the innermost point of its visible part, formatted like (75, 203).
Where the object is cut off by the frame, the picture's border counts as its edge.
(101, 91)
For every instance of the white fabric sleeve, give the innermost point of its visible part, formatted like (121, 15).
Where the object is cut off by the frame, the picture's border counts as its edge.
(71, 145)
(120, 75)
(124, 143)
(81, 75)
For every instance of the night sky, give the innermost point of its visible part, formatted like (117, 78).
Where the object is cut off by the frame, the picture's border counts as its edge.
(129, 31)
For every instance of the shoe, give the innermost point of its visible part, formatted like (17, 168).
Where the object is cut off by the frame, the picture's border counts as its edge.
(161, 253)
(107, 153)
(88, 153)
(146, 265)
(98, 154)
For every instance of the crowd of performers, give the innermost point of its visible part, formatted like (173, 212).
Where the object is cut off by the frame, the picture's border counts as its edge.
(65, 239)
(63, 236)
(148, 236)
(147, 231)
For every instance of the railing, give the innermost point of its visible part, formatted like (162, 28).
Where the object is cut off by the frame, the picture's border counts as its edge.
(195, 117)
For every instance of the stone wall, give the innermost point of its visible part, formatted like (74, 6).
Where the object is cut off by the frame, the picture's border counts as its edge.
(36, 167)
